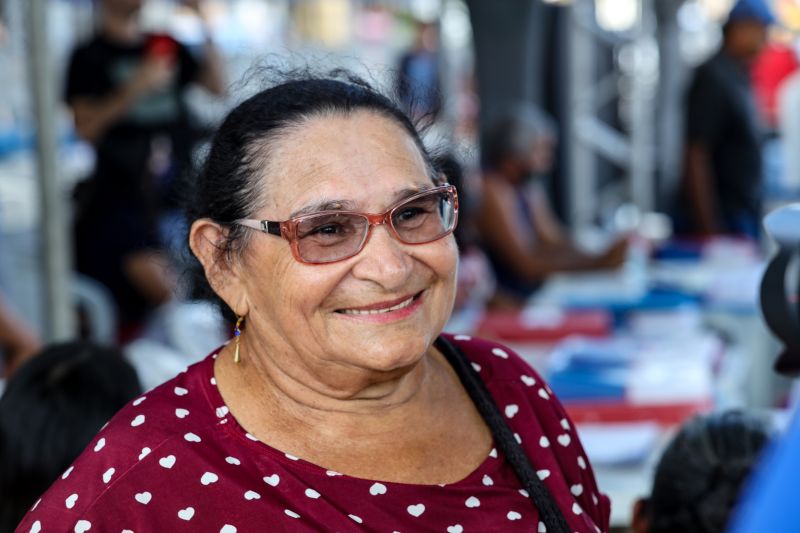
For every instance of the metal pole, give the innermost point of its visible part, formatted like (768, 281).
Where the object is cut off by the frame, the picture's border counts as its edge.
(59, 318)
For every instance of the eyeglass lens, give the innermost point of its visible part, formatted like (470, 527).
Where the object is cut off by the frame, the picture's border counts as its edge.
(330, 237)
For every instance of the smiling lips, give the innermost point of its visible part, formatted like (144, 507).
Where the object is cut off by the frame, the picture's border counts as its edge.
(382, 307)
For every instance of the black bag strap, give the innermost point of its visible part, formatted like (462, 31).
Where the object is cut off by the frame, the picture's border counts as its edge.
(550, 514)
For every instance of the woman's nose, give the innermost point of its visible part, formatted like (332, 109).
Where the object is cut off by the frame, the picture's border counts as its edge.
(384, 259)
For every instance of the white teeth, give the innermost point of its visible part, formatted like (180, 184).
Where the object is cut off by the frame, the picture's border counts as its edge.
(401, 305)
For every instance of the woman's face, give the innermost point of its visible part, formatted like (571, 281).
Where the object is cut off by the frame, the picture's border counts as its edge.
(317, 314)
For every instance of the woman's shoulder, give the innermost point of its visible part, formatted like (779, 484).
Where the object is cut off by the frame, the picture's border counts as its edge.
(142, 436)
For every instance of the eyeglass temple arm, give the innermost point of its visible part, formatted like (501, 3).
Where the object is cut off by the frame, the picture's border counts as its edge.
(267, 226)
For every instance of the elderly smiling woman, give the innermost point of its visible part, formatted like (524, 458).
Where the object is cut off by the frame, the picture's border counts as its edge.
(323, 226)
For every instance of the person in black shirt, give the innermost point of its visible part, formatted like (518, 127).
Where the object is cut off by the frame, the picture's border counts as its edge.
(722, 178)
(126, 90)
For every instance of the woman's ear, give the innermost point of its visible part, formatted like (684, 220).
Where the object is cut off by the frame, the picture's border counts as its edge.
(206, 239)
(640, 523)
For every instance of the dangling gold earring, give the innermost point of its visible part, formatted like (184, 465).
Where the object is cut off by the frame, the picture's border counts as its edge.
(237, 333)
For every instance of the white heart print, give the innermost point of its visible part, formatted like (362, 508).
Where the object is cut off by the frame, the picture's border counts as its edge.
(377, 489)
(227, 528)
(543, 394)
(36, 527)
(544, 442)
(472, 502)
(543, 474)
(487, 481)
(416, 510)
(167, 462)
(107, 475)
(181, 413)
(499, 352)
(272, 480)
(139, 400)
(70, 501)
(252, 495)
(576, 490)
(564, 440)
(455, 529)
(100, 444)
(82, 526)
(291, 513)
(355, 518)
(542, 528)
(191, 437)
(527, 380)
(208, 478)
(67, 472)
(138, 421)
(232, 461)
(180, 391)
(186, 514)
(145, 452)
(513, 515)
(511, 410)
(143, 497)
(311, 493)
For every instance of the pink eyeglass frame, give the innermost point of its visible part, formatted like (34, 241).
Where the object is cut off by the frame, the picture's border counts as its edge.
(288, 228)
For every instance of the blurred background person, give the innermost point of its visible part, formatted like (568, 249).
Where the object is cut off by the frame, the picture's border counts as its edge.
(418, 73)
(126, 90)
(521, 234)
(49, 412)
(722, 182)
(17, 342)
(701, 473)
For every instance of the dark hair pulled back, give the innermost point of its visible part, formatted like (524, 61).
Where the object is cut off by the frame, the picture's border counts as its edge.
(700, 475)
(229, 187)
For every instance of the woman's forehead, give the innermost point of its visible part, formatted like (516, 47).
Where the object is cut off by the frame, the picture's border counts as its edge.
(356, 157)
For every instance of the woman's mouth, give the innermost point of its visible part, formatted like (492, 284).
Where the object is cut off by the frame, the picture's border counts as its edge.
(383, 308)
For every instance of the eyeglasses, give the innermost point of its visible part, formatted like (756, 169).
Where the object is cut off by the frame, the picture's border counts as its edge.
(330, 236)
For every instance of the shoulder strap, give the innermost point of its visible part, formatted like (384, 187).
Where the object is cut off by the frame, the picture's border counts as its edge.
(504, 438)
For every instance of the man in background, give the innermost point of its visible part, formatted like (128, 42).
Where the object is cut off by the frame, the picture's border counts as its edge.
(723, 177)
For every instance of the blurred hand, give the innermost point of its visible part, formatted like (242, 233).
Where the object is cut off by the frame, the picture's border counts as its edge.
(615, 255)
(153, 74)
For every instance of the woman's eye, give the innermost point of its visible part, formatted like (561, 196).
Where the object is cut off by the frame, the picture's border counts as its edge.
(326, 229)
(409, 213)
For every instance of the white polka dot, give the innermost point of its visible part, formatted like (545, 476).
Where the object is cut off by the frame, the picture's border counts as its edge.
(543, 394)
(222, 411)
(355, 518)
(186, 514)
(332, 473)
(272, 480)
(527, 380)
(542, 528)
(67, 472)
(416, 510)
(377, 489)
(107, 475)
(517, 438)
(524, 493)
(81, 526)
(499, 352)
(565, 423)
(476, 366)
(191, 437)
(70, 501)
(232, 461)
(564, 440)
(311, 493)
(208, 478)
(544, 442)
(576, 508)
(462, 338)
(139, 400)
(100, 444)
(145, 453)
(214, 381)
(36, 527)
(594, 499)
(291, 513)
(487, 481)
(227, 528)
(167, 462)
(252, 495)
(581, 462)
(127, 531)
(472, 502)
(181, 413)
(251, 437)
(511, 410)
(576, 490)
(493, 453)
(291, 457)
(513, 515)
(138, 421)
(143, 497)
(180, 391)
(543, 474)
(455, 529)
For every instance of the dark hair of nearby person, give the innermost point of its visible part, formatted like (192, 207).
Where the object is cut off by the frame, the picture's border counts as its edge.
(229, 187)
(511, 135)
(50, 411)
(700, 475)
